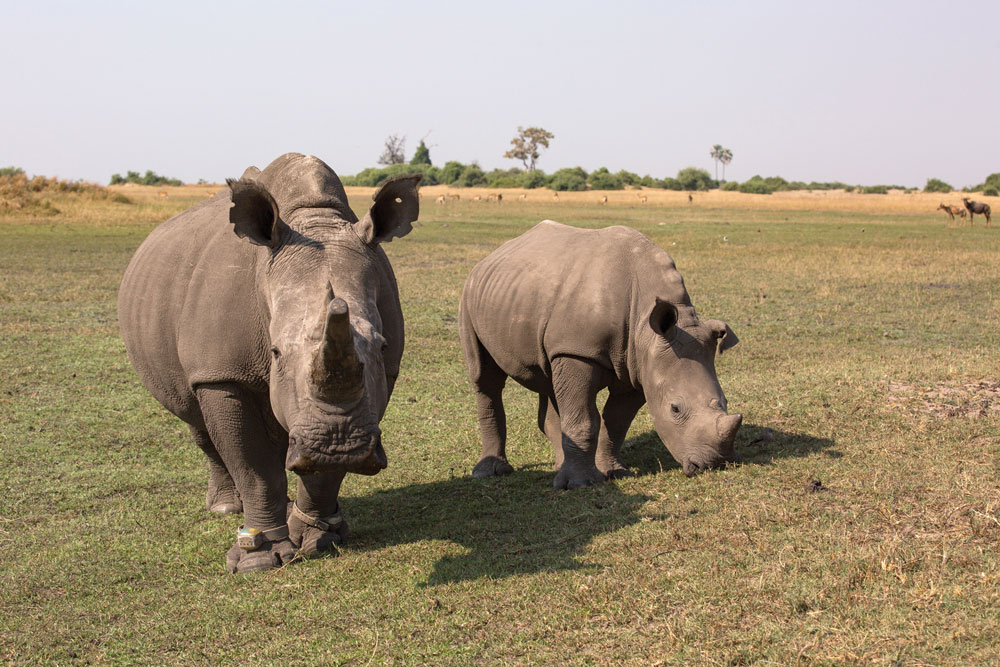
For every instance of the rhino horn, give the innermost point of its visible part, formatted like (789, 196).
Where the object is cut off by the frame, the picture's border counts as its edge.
(338, 376)
(727, 426)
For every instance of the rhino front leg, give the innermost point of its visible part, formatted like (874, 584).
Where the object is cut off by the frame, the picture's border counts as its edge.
(237, 427)
(618, 414)
(222, 496)
(575, 383)
(314, 520)
(488, 381)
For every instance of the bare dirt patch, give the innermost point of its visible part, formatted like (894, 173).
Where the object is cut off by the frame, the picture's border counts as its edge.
(949, 398)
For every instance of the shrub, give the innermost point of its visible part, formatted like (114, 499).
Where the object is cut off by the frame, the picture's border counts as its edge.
(573, 178)
(602, 179)
(668, 183)
(534, 179)
(504, 178)
(731, 186)
(693, 178)
(832, 185)
(374, 176)
(756, 185)
(472, 176)
(150, 178)
(873, 189)
(992, 181)
(990, 192)
(451, 172)
(937, 185)
(22, 194)
(628, 178)
(422, 155)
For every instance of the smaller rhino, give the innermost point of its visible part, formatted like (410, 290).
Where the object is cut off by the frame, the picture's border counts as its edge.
(568, 312)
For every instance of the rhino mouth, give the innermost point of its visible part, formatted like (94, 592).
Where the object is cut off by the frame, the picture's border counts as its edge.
(694, 466)
(362, 454)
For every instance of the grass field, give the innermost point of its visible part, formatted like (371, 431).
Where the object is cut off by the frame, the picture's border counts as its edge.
(868, 363)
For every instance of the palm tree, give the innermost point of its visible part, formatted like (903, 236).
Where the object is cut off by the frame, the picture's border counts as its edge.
(716, 155)
(725, 157)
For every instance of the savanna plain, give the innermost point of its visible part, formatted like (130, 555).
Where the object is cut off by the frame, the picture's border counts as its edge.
(862, 525)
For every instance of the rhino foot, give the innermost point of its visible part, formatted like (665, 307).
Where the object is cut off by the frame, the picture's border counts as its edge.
(568, 478)
(227, 507)
(490, 466)
(618, 473)
(315, 541)
(269, 556)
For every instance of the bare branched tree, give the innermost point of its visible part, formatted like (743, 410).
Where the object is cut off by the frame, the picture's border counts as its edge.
(395, 150)
(527, 144)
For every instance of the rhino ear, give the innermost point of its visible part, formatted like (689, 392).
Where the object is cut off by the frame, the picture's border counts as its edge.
(254, 213)
(396, 206)
(663, 318)
(723, 334)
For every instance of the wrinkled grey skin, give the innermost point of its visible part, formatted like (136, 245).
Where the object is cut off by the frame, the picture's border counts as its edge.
(567, 312)
(268, 319)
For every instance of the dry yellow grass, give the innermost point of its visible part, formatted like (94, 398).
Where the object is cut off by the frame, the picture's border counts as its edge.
(896, 201)
(831, 200)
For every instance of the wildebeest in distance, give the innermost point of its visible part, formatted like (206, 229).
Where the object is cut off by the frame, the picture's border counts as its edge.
(976, 207)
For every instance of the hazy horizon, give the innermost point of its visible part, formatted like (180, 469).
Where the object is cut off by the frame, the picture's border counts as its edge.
(887, 93)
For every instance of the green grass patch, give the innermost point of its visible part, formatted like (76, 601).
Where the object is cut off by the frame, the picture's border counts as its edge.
(868, 361)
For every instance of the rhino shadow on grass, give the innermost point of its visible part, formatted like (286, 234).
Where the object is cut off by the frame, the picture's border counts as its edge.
(510, 525)
(517, 524)
(757, 445)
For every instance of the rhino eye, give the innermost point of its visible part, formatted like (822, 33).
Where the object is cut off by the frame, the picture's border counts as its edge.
(275, 353)
(675, 409)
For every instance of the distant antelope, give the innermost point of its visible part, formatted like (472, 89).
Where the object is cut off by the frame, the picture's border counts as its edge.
(439, 200)
(477, 198)
(642, 198)
(952, 211)
(690, 198)
(604, 199)
(455, 197)
(522, 197)
(163, 193)
(495, 196)
(555, 196)
(976, 207)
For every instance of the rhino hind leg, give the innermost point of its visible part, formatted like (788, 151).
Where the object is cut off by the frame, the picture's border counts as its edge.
(575, 383)
(549, 424)
(616, 418)
(222, 496)
(488, 381)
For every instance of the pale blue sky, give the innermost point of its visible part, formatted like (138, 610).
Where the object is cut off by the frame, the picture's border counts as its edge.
(862, 92)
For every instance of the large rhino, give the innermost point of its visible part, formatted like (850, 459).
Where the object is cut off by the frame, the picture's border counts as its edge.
(567, 312)
(268, 319)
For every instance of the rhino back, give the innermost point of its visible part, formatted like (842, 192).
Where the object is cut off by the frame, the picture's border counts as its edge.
(189, 311)
(558, 290)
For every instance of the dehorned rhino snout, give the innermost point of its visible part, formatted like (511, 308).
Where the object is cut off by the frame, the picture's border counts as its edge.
(366, 459)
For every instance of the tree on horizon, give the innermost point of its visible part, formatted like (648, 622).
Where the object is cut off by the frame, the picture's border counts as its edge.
(422, 155)
(526, 145)
(725, 158)
(394, 151)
